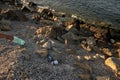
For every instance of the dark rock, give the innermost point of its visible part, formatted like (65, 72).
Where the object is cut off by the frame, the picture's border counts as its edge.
(15, 15)
(30, 7)
(25, 9)
(0, 10)
(57, 32)
(32, 4)
(74, 22)
(0, 17)
(46, 14)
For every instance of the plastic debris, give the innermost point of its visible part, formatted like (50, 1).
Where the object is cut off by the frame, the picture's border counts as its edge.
(18, 40)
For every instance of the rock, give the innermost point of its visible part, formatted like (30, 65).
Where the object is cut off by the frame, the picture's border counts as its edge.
(113, 63)
(0, 10)
(107, 52)
(57, 32)
(84, 76)
(74, 22)
(117, 44)
(14, 15)
(102, 78)
(0, 17)
(102, 34)
(46, 14)
(32, 4)
(83, 66)
(42, 52)
(5, 25)
(25, 9)
(28, 6)
(36, 17)
(87, 58)
(71, 36)
(60, 14)
(118, 50)
(47, 45)
(44, 30)
(86, 47)
(91, 41)
(11, 2)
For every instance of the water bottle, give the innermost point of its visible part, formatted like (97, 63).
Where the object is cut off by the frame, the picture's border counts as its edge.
(18, 40)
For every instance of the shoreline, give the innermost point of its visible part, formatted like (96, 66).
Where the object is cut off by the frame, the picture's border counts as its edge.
(80, 50)
(109, 19)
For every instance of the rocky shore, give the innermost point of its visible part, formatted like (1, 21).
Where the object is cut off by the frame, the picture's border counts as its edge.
(84, 51)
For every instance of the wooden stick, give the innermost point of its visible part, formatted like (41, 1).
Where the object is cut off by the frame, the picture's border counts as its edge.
(10, 38)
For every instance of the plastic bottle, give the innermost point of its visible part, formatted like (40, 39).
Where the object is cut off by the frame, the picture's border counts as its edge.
(18, 40)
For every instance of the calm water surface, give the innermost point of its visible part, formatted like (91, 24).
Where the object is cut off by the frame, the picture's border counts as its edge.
(106, 10)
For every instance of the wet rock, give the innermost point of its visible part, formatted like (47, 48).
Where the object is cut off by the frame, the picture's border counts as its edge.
(15, 15)
(46, 13)
(32, 4)
(113, 63)
(60, 14)
(5, 25)
(102, 78)
(74, 22)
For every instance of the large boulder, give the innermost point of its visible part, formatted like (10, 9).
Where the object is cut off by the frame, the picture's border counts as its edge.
(14, 15)
(113, 63)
